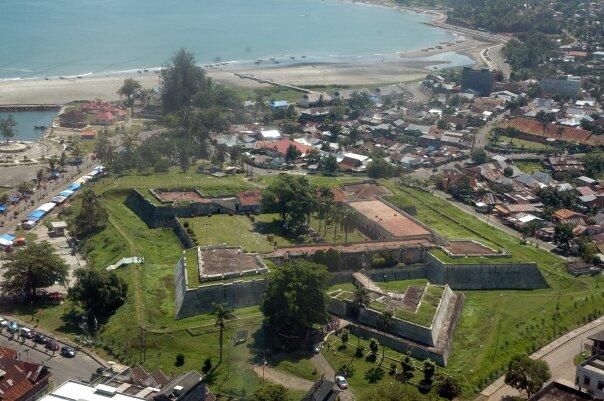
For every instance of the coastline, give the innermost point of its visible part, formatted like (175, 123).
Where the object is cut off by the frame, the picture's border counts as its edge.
(393, 68)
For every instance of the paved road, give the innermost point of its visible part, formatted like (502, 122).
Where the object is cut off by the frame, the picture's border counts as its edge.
(480, 137)
(80, 367)
(495, 53)
(42, 195)
(324, 367)
(559, 355)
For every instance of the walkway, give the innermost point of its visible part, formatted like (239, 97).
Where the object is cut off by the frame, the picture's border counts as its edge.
(559, 355)
(324, 367)
(285, 379)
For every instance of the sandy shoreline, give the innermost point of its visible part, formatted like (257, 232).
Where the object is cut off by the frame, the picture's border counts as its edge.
(410, 67)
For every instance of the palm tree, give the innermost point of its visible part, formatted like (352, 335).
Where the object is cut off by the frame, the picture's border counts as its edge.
(324, 205)
(386, 320)
(222, 313)
(336, 218)
(361, 297)
(347, 221)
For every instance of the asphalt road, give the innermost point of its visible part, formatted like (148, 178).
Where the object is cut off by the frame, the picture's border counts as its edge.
(81, 367)
(559, 356)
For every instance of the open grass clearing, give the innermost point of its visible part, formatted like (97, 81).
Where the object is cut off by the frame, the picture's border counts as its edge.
(529, 166)
(236, 230)
(400, 286)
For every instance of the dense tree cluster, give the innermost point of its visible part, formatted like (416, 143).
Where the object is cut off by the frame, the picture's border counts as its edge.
(295, 299)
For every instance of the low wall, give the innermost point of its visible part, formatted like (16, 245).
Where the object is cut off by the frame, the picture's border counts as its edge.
(398, 344)
(495, 276)
(397, 273)
(400, 328)
(181, 233)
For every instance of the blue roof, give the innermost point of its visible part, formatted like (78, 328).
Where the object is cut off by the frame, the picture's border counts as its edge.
(35, 215)
(278, 103)
(2, 208)
(66, 193)
(74, 186)
(8, 237)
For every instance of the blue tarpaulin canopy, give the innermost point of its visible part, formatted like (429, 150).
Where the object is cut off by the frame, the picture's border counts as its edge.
(2, 208)
(36, 215)
(67, 193)
(75, 186)
(8, 237)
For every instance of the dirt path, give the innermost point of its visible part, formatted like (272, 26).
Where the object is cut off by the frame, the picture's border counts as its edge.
(286, 380)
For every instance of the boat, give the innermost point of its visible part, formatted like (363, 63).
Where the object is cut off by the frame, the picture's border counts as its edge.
(39, 127)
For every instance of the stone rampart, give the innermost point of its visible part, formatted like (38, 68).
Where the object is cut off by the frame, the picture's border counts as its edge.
(486, 276)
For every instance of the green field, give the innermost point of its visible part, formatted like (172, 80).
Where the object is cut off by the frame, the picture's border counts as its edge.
(526, 319)
(231, 230)
(424, 314)
(529, 166)
(529, 319)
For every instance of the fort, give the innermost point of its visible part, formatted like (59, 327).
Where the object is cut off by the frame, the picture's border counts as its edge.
(423, 317)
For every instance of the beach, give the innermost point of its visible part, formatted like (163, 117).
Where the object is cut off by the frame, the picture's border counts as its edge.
(409, 68)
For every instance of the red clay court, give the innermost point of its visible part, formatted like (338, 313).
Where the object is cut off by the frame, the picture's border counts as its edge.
(180, 196)
(364, 191)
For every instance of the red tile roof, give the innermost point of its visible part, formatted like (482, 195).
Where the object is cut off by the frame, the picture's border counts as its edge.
(21, 379)
(282, 145)
(554, 131)
(564, 214)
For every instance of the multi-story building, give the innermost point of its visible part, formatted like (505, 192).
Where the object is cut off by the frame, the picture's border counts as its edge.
(481, 81)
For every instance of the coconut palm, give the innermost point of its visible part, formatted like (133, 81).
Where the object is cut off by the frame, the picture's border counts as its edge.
(222, 313)
(336, 219)
(347, 221)
(386, 320)
(324, 205)
(361, 297)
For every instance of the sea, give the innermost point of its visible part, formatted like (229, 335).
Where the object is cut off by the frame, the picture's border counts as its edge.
(49, 38)
(26, 120)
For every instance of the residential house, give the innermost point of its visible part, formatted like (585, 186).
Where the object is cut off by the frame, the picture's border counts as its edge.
(280, 147)
(590, 376)
(72, 119)
(278, 104)
(322, 390)
(19, 380)
(106, 118)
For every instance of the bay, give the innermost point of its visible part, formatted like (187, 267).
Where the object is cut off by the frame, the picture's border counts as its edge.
(75, 37)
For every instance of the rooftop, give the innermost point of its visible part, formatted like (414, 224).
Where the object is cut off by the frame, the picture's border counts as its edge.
(388, 218)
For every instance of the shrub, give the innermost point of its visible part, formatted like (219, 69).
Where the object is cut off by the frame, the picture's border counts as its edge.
(180, 360)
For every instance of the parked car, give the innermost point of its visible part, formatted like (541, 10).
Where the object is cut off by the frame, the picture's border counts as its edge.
(3, 322)
(317, 348)
(13, 327)
(39, 338)
(68, 352)
(52, 345)
(26, 333)
(341, 382)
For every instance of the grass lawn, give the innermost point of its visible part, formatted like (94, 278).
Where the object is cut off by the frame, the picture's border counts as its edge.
(192, 268)
(425, 312)
(360, 380)
(269, 225)
(529, 166)
(234, 230)
(295, 363)
(401, 285)
(443, 257)
(521, 143)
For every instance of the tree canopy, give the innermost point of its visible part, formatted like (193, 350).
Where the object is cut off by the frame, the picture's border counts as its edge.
(292, 198)
(527, 374)
(295, 299)
(98, 292)
(32, 268)
(271, 392)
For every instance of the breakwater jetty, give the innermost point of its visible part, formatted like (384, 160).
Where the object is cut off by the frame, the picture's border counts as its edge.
(14, 108)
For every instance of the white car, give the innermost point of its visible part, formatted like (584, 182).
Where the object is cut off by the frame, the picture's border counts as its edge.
(341, 382)
(3, 322)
